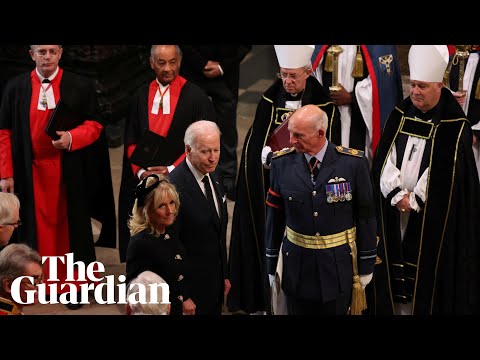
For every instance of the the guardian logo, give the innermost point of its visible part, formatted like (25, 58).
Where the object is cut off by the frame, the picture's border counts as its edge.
(90, 273)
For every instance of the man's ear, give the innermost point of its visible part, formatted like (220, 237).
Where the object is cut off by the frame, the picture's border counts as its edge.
(6, 285)
(321, 133)
(188, 149)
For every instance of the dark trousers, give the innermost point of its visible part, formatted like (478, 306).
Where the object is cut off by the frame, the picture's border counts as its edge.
(339, 306)
(225, 103)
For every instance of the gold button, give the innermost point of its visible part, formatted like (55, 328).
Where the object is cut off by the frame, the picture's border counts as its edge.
(315, 213)
(290, 198)
(314, 193)
(180, 278)
(317, 234)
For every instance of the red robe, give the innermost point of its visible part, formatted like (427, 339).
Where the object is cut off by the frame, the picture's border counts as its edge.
(49, 187)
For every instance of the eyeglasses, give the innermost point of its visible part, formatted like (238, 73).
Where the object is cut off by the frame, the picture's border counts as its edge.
(37, 279)
(52, 52)
(16, 223)
(293, 77)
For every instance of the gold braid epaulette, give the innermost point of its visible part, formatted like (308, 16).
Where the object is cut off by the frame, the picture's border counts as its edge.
(349, 151)
(8, 307)
(282, 152)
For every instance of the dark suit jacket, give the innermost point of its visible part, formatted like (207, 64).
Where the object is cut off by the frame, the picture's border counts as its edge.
(229, 56)
(204, 236)
(193, 105)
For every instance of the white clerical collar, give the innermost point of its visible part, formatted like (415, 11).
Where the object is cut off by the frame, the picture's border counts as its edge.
(51, 77)
(161, 99)
(162, 87)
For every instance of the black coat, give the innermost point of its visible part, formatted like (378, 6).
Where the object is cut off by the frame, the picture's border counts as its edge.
(165, 256)
(195, 57)
(437, 265)
(193, 105)
(204, 236)
(86, 172)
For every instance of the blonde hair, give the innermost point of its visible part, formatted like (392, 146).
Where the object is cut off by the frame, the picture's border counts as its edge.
(140, 219)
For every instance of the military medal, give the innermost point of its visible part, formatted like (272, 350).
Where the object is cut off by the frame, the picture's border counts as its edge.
(338, 189)
(348, 194)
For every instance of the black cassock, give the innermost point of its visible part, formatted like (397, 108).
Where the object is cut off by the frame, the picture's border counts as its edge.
(437, 265)
(193, 105)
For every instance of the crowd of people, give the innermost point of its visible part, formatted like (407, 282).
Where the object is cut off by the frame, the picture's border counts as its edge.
(349, 199)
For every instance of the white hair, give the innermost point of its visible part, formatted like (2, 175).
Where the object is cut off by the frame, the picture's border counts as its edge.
(8, 203)
(146, 279)
(197, 128)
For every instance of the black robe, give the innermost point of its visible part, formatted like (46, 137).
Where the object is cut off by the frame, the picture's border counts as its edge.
(474, 104)
(86, 172)
(437, 265)
(193, 105)
(247, 244)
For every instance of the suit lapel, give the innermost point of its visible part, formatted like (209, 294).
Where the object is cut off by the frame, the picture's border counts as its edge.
(301, 169)
(327, 167)
(216, 186)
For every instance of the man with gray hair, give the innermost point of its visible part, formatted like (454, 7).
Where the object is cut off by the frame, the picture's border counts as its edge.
(427, 194)
(320, 210)
(18, 260)
(147, 280)
(202, 222)
(9, 216)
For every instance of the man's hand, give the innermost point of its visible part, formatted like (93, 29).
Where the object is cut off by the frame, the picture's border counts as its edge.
(341, 97)
(460, 96)
(227, 287)
(7, 185)
(211, 70)
(365, 280)
(188, 307)
(404, 204)
(154, 170)
(64, 142)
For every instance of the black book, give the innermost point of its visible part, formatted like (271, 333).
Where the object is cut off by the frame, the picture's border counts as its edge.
(151, 150)
(64, 118)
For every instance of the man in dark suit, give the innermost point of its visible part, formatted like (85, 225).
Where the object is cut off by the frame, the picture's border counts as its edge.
(216, 69)
(202, 222)
(322, 195)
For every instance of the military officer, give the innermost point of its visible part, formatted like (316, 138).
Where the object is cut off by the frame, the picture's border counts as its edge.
(320, 207)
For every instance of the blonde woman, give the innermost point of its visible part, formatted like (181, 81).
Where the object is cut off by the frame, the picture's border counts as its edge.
(153, 245)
